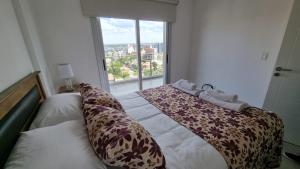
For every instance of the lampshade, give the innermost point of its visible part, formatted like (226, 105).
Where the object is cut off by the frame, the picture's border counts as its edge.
(65, 71)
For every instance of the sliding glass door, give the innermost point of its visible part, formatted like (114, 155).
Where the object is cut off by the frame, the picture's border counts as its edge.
(121, 59)
(152, 53)
(135, 54)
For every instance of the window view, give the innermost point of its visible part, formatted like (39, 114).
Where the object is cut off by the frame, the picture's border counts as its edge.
(119, 38)
(121, 54)
(152, 53)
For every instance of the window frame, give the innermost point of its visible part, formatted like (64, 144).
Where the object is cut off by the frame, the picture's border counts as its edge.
(100, 53)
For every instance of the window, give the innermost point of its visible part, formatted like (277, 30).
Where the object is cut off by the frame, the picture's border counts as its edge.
(135, 54)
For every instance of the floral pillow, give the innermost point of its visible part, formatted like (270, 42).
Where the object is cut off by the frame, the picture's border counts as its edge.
(85, 88)
(92, 110)
(120, 141)
(93, 95)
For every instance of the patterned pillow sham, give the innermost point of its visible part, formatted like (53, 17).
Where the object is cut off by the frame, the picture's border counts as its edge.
(94, 95)
(120, 141)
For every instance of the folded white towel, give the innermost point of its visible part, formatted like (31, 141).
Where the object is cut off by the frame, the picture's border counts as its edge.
(222, 96)
(191, 92)
(236, 106)
(186, 84)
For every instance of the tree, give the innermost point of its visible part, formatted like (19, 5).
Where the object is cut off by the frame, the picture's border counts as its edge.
(125, 74)
(120, 67)
(115, 69)
(147, 72)
(154, 64)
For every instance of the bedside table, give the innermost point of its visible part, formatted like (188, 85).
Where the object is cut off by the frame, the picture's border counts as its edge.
(62, 89)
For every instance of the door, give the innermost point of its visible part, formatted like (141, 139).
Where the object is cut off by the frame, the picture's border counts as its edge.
(283, 96)
(135, 53)
(153, 52)
(121, 58)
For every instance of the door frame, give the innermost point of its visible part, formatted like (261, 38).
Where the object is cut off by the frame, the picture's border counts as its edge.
(100, 53)
(138, 47)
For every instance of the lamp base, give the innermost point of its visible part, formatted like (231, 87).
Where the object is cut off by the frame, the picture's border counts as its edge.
(69, 85)
(69, 90)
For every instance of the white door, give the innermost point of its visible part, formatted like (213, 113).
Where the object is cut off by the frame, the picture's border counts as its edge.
(284, 92)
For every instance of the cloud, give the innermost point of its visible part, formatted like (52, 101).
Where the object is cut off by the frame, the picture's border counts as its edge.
(120, 31)
(152, 26)
(117, 25)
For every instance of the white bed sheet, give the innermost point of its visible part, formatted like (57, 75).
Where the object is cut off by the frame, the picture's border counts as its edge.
(182, 148)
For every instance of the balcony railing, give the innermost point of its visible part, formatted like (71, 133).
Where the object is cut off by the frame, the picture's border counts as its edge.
(132, 85)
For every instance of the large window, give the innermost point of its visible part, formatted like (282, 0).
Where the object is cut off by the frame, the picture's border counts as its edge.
(135, 54)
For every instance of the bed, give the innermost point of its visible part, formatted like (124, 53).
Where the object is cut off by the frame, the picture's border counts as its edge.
(18, 107)
(186, 147)
(182, 146)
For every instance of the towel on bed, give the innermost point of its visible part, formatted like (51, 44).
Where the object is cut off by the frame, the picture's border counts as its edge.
(236, 106)
(195, 92)
(186, 87)
(186, 84)
(220, 95)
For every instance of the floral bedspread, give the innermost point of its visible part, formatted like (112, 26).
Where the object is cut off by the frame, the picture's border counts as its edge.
(250, 139)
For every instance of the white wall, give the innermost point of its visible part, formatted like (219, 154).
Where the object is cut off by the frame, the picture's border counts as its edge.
(14, 59)
(181, 41)
(32, 42)
(229, 38)
(66, 37)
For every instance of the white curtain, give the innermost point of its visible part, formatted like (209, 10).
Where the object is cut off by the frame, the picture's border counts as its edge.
(161, 10)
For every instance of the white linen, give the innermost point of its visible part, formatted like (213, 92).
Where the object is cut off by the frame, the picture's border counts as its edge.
(194, 92)
(182, 148)
(186, 84)
(223, 96)
(63, 146)
(57, 109)
(236, 106)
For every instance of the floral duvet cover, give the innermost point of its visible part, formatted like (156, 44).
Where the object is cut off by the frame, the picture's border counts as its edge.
(250, 139)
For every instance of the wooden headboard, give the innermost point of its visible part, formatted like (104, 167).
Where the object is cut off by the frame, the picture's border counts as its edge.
(18, 107)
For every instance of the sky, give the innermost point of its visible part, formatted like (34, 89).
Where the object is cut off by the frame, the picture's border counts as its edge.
(122, 31)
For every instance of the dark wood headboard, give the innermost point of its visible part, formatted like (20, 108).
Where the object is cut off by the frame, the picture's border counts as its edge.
(18, 107)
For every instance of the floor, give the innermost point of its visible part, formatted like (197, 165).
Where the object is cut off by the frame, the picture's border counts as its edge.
(286, 162)
(129, 87)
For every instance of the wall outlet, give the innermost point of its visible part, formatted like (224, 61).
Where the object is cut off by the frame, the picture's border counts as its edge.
(264, 56)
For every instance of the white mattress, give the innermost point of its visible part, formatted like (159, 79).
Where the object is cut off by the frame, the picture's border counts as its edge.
(181, 147)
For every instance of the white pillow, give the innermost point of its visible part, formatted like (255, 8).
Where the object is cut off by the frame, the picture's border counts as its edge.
(63, 146)
(58, 108)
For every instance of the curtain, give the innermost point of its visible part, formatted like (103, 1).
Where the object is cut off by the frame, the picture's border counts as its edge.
(160, 10)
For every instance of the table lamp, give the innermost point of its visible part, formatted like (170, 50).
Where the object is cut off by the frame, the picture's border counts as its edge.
(65, 72)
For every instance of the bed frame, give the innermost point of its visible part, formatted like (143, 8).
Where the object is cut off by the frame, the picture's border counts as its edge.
(18, 107)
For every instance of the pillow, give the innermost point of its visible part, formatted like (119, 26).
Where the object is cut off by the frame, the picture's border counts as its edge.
(63, 146)
(119, 141)
(93, 95)
(92, 110)
(85, 88)
(58, 108)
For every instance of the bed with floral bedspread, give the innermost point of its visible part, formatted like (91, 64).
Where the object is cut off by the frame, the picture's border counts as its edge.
(250, 139)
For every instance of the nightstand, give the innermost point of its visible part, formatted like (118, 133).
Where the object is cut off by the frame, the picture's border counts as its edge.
(62, 89)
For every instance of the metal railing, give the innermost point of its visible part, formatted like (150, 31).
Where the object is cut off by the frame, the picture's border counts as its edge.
(134, 80)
